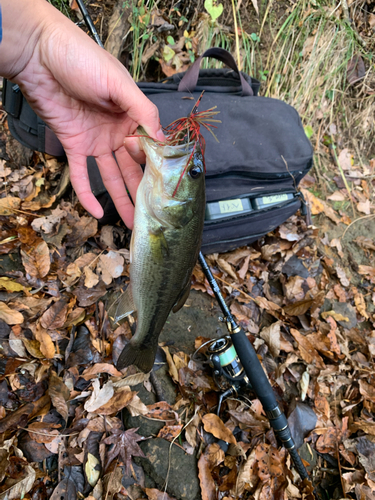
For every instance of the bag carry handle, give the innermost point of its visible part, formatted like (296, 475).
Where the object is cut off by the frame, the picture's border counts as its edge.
(190, 79)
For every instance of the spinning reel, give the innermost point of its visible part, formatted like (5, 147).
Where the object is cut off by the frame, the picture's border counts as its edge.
(224, 360)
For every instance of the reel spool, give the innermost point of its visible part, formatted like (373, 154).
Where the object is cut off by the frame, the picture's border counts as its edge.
(224, 361)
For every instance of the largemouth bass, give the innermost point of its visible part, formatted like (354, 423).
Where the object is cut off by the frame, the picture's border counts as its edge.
(168, 226)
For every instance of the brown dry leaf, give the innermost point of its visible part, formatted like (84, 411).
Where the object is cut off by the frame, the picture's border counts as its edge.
(111, 266)
(154, 494)
(293, 289)
(244, 268)
(55, 316)
(337, 196)
(367, 271)
(322, 405)
(10, 316)
(59, 394)
(90, 373)
(136, 407)
(298, 308)
(213, 424)
(172, 367)
(247, 474)
(8, 205)
(316, 205)
(82, 231)
(120, 399)
(170, 432)
(47, 347)
(36, 259)
(33, 348)
(342, 276)
(135, 379)
(327, 442)
(20, 486)
(307, 350)
(268, 305)
(367, 390)
(208, 487)
(91, 279)
(364, 207)
(333, 314)
(162, 411)
(48, 223)
(360, 303)
(191, 431)
(227, 268)
(42, 432)
(271, 335)
(99, 396)
(366, 243)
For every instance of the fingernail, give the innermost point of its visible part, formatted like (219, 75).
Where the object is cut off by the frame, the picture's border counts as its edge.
(160, 135)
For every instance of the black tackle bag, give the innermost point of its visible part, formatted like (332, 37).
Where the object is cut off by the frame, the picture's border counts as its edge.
(252, 172)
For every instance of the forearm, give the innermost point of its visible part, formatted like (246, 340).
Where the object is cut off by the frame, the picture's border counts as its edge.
(23, 22)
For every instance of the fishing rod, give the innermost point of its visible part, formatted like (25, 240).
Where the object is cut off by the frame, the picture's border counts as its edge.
(255, 374)
(89, 23)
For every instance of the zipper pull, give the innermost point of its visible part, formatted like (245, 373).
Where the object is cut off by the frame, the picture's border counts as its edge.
(305, 208)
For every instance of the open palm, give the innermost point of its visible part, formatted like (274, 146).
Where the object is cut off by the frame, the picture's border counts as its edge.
(91, 103)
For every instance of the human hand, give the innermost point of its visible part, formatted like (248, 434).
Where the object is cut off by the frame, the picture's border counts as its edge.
(91, 103)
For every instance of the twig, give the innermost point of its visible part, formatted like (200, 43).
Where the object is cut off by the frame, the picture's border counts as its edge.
(236, 35)
(354, 221)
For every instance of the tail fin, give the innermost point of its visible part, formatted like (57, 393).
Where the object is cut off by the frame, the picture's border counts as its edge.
(142, 357)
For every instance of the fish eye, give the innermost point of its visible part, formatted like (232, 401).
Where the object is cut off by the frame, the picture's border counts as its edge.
(195, 172)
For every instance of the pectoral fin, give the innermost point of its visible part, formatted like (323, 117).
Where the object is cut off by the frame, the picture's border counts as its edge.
(125, 306)
(182, 298)
(159, 245)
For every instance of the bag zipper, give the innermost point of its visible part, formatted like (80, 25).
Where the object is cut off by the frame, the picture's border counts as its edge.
(257, 176)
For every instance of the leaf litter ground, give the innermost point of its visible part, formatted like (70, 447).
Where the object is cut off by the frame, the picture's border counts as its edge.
(303, 295)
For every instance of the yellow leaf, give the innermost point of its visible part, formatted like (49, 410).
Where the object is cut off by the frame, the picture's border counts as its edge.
(8, 204)
(10, 316)
(92, 469)
(47, 347)
(12, 286)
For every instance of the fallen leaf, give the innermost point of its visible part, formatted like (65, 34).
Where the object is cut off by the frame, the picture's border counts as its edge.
(91, 279)
(342, 276)
(364, 207)
(298, 308)
(48, 223)
(36, 259)
(227, 268)
(119, 400)
(271, 335)
(12, 286)
(136, 407)
(154, 494)
(307, 350)
(92, 469)
(55, 316)
(316, 205)
(46, 345)
(208, 487)
(367, 390)
(99, 396)
(335, 315)
(213, 424)
(10, 316)
(124, 446)
(8, 205)
(90, 373)
(111, 266)
(17, 346)
(170, 432)
(23, 485)
(59, 394)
